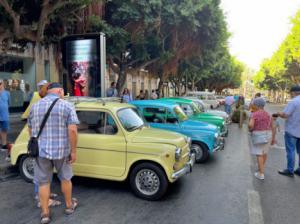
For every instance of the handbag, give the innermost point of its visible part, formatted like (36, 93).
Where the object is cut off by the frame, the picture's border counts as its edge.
(33, 145)
(260, 137)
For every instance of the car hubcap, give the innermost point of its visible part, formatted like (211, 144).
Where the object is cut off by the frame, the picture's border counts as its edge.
(198, 150)
(147, 182)
(28, 167)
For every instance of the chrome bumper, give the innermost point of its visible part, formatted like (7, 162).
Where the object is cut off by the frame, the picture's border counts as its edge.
(225, 132)
(186, 169)
(220, 146)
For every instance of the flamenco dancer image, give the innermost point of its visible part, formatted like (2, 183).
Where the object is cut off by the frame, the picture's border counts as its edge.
(79, 88)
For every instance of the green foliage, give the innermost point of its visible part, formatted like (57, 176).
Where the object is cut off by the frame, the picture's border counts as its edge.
(283, 68)
(171, 38)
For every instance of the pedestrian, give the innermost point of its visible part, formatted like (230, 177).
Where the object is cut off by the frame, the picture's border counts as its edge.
(292, 132)
(153, 95)
(260, 125)
(112, 90)
(42, 91)
(229, 100)
(141, 96)
(126, 96)
(146, 95)
(4, 115)
(251, 107)
(57, 147)
(158, 93)
(27, 96)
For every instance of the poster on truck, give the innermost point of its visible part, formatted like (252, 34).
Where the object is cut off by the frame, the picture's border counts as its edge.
(84, 63)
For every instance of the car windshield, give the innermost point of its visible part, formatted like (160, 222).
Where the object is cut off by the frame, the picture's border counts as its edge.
(190, 109)
(180, 114)
(130, 119)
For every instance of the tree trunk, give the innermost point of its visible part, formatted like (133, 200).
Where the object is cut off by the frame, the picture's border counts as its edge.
(122, 76)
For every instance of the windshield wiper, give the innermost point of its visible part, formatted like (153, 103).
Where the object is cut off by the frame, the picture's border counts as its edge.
(133, 128)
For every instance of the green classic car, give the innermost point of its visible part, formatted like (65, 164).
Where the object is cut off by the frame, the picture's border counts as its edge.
(114, 143)
(193, 112)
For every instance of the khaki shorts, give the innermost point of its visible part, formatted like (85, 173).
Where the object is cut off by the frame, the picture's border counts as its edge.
(43, 170)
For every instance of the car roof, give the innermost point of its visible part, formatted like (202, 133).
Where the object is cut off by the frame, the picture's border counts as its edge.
(162, 103)
(97, 103)
(200, 92)
(177, 99)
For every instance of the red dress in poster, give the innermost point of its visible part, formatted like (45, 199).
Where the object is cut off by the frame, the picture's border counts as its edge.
(79, 85)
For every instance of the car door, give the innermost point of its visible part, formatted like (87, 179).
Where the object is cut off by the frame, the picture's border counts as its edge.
(101, 148)
(157, 118)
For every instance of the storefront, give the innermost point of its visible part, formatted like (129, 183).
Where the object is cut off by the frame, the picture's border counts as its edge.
(21, 70)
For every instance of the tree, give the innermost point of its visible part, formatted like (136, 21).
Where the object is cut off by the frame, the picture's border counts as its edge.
(36, 21)
(283, 68)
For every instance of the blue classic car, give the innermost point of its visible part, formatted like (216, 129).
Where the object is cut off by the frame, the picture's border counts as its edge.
(205, 137)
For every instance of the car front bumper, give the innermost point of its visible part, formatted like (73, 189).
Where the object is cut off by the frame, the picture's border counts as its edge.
(220, 146)
(225, 132)
(186, 169)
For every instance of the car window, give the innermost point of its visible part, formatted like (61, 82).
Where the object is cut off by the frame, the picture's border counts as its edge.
(96, 122)
(180, 113)
(155, 114)
(202, 97)
(200, 106)
(211, 97)
(188, 110)
(130, 119)
(171, 118)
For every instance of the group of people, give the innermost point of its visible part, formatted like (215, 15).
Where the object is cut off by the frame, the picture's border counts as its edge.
(57, 143)
(262, 128)
(126, 95)
(230, 100)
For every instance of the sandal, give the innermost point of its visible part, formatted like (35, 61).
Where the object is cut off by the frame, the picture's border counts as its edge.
(52, 203)
(53, 195)
(45, 219)
(70, 211)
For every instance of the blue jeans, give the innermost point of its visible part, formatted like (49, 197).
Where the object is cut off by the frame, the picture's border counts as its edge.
(227, 108)
(291, 143)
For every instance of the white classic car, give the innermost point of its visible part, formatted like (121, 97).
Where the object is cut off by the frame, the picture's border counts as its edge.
(204, 108)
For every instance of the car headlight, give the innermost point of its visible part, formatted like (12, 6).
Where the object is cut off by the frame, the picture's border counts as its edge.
(178, 152)
(216, 135)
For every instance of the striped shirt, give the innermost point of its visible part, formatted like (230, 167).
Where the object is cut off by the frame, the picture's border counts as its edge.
(54, 140)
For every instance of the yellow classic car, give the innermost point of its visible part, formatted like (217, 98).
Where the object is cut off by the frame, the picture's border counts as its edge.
(114, 143)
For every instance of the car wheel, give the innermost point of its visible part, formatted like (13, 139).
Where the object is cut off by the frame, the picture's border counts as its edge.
(201, 152)
(26, 168)
(148, 181)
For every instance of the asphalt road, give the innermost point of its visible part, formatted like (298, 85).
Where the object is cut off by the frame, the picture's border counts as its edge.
(222, 191)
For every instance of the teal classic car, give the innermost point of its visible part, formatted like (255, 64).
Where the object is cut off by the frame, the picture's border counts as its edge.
(193, 112)
(205, 137)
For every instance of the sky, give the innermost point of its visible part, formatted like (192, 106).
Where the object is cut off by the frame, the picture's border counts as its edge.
(257, 27)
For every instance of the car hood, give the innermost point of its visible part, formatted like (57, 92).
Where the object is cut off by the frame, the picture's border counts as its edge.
(208, 118)
(199, 125)
(155, 135)
(217, 113)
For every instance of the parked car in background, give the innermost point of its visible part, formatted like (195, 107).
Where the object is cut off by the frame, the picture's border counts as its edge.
(114, 143)
(207, 97)
(193, 112)
(206, 138)
(203, 108)
(221, 99)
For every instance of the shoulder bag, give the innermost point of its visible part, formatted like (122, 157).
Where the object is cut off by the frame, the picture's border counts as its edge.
(33, 145)
(259, 137)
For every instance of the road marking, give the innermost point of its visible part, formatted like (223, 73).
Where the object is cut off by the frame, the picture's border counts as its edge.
(254, 208)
